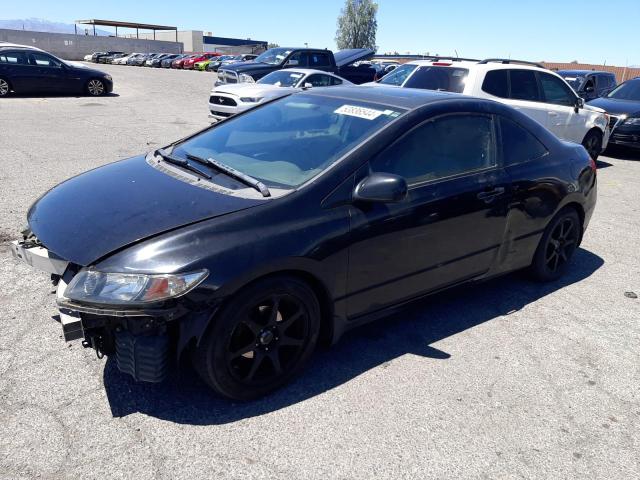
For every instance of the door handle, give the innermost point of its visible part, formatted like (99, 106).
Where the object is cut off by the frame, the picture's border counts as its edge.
(489, 195)
(553, 114)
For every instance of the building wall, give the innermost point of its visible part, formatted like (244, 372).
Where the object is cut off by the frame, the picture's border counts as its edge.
(75, 47)
(191, 39)
(621, 73)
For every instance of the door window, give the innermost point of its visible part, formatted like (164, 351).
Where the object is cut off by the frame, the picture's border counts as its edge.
(441, 147)
(556, 91)
(300, 57)
(518, 145)
(319, 59)
(13, 58)
(42, 60)
(524, 85)
(318, 80)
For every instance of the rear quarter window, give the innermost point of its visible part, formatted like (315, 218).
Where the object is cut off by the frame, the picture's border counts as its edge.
(496, 83)
(518, 145)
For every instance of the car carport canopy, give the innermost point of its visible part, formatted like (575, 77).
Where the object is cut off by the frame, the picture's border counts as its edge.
(137, 26)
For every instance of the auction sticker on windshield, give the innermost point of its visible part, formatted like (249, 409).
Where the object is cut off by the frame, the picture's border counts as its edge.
(360, 112)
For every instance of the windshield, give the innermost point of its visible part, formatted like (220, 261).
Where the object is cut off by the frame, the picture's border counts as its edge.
(282, 78)
(398, 76)
(445, 79)
(291, 140)
(627, 91)
(273, 56)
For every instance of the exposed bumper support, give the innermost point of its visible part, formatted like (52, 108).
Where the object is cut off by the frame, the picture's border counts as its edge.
(38, 257)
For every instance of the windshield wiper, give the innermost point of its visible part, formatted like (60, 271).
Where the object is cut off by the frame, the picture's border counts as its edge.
(181, 163)
(232, 172)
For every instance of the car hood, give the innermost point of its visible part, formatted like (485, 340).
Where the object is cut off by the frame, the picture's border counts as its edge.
(352, 55)
(90, 216)
(617, 107)
(250, 90)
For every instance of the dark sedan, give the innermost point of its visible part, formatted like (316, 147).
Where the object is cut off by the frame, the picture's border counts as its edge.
(254, 240)
(623, 105)
(28, 70)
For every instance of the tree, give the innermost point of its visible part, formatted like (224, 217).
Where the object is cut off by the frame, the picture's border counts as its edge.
(273, 45)
(357, 25)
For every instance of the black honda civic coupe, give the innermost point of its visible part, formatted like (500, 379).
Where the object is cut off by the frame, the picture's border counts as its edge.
(254, 240)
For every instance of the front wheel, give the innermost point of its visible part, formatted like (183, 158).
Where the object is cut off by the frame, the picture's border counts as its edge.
(261, 339)
(4, 87)
(593, 143)
(95, 87)
(557, 246)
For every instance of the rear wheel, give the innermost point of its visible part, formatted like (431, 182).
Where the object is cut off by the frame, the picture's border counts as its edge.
(557, 246)
(5, 88)
(593, 143)
(261, 339)
(95, 87)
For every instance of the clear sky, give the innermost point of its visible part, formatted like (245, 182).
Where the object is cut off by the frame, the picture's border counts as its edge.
(591, 31)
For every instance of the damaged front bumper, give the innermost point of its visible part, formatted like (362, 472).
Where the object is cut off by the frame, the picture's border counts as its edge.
(141, 339)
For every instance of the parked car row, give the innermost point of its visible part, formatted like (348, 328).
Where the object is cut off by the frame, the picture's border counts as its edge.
(186, 61)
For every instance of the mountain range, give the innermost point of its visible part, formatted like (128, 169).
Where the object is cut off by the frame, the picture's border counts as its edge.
(42, 25)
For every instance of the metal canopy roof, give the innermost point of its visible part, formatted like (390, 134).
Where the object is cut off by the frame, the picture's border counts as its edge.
(114, 23)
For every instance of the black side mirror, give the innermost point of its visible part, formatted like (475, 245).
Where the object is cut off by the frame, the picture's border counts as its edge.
(381, 187)
(579, 104)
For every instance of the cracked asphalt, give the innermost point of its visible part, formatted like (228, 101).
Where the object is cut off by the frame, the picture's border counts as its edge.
(508, 379)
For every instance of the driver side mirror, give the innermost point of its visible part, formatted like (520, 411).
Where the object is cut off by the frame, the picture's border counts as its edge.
(579, 104)
(381, 188)
(307, 85)
(589, 89)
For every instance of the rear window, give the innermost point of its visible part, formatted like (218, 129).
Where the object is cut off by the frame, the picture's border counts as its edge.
(398, 76)
(447, 79)
(518, 145)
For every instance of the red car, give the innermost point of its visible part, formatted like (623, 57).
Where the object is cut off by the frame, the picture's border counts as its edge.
(179, 62)
(189, 62)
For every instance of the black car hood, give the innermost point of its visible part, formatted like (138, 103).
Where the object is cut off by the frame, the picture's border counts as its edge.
(89, 216)
(617, 107)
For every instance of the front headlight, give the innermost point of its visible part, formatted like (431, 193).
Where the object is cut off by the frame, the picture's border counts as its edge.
(244, 78)
(632, 121)
(250, 99)
(93, 286)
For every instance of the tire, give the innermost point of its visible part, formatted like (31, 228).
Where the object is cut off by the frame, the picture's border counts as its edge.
(593, 143)
(5, 87)
(250, 349)
(557, 246)
(96, 87)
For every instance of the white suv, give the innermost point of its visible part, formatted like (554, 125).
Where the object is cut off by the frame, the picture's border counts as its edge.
(529, 87)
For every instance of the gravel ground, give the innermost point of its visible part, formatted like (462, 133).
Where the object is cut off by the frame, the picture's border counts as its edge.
(508, 379)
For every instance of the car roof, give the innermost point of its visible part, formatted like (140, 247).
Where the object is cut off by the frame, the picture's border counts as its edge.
(16, 46)
(306, 71)
(408, 98)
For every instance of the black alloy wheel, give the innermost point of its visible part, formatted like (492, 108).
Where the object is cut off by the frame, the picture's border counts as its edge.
(261, 339)
(558, 244)
(95, 87)
(593, 143)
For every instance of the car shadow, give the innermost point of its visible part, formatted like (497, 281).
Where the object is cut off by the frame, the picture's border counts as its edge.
(185, 399)
(622, 153)
(58, 95)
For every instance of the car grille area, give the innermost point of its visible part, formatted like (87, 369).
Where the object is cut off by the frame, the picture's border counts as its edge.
(227, 77)
(218, 100)
(145, 358)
